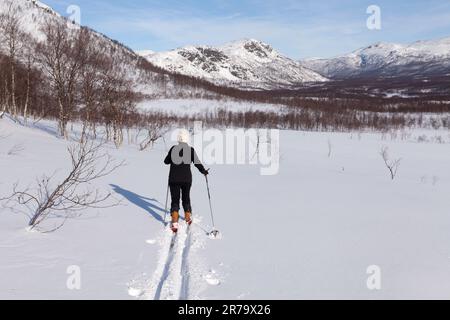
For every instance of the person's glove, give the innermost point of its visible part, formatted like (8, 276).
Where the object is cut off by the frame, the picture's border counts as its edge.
(206, 172)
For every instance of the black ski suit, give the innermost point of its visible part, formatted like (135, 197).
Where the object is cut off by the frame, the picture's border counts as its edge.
(180, 176)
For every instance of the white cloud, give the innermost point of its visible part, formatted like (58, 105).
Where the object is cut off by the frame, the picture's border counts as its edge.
(333, 32)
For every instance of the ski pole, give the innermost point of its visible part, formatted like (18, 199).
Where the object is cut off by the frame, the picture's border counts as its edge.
(214, 231)
(165, 207)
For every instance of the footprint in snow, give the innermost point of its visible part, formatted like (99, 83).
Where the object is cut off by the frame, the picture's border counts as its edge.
(135, 292)
(211, 279)
(243, 295)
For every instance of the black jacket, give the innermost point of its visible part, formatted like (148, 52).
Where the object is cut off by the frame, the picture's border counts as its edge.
(180, 166)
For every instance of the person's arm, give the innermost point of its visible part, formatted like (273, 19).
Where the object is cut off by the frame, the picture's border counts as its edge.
(197, 163)
(168, 159)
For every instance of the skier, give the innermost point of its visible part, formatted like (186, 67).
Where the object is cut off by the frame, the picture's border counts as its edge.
(180, 158)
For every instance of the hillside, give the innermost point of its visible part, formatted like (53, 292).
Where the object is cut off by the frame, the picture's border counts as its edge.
(148, 79)
(421, 58)
(243, 64)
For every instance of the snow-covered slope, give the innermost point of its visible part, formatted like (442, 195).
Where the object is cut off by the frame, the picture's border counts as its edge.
(388, 59)
(145, 53)
(247, 63)
(310, 231)
(33, 14)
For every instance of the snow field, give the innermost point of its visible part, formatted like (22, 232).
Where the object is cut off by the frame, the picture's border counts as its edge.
(312, 231)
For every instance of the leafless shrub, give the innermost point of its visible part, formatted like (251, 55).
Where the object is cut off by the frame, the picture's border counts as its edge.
(438, 139)
(405, 135)
(393, 135)
(422, 139)
(72, 195)
(391, 165)
(330, 148)
(435, 123)
(153, 132)
(16, 150)
(257, 145)
(435, 180)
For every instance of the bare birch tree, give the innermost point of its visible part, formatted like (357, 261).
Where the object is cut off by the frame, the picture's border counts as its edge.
(154, 130)
(91, 86)
(68, 198)
(11, 34)
(117, 100)
(62, 56)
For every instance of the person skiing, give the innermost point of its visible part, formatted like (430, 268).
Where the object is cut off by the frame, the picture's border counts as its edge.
(180, 158)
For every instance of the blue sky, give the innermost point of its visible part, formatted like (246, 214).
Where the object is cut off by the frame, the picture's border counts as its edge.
(297, 28)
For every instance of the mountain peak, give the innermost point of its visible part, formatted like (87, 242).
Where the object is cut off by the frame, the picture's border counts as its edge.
(383, 58)
(251, 46)
(249, 41)
(245, 63)
(145, 53)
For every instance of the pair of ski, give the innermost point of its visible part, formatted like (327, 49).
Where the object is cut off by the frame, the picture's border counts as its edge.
(214, 234)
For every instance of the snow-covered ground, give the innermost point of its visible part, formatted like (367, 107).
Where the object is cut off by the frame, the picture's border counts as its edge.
(191, 107)
(310, 231)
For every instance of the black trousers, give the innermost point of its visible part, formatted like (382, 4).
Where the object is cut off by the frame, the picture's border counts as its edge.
(183, 189)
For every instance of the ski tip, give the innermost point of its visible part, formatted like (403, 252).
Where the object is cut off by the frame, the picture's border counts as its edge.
(174, 227)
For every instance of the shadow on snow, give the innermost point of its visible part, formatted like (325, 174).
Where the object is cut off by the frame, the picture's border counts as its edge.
(145, 203)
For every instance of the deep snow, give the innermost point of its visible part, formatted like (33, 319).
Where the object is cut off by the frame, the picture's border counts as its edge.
(309, 232)
(192, 107)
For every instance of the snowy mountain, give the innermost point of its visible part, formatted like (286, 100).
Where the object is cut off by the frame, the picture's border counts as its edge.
(245, 63)
(145, 53)
(150, 81)
(388, 59)
(32, 15)
(43, 6)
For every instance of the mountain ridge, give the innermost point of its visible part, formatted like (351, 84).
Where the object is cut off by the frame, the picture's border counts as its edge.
(243, 63)
(423, 57)
(149, 80)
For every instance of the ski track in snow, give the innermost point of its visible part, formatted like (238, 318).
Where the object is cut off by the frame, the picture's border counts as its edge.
(180, 274)
(184, 294)
(170, 280)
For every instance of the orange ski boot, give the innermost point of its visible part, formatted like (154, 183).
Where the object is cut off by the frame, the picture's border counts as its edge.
(174, 225)
(188, 217)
